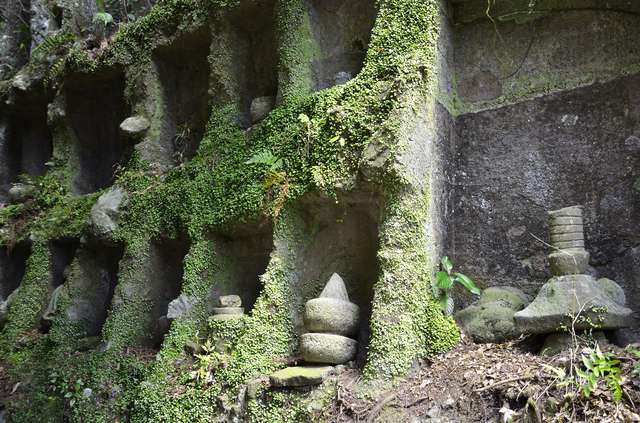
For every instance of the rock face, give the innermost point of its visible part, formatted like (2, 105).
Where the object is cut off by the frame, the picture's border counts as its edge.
(332, 318)
(103, 219)
(491, 320)
(572, 299)
(261, 107)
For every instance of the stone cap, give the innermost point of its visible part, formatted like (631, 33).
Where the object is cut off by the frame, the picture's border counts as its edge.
(335, 288)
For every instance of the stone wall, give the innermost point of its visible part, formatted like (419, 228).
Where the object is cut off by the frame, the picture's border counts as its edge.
(547, 116)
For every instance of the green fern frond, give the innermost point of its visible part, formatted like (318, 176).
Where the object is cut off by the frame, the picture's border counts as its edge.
(55, 70)
(52, 43)
(266, 157)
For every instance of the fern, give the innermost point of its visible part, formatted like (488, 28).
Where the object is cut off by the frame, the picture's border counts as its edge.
(55, 70)
(266, 157)
(52, 43)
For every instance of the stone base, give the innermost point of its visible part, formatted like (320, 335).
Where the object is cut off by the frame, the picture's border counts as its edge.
(237, 311)
(558, 342)
(565, 296)
(327, 348)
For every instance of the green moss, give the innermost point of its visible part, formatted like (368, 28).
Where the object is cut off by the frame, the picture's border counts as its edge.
(31, 298)
(407, 321)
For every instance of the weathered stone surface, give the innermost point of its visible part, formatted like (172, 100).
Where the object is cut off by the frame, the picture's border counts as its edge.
(564, 295)
(558, 342)
(332, 315)
(327, 348)
(236, 311)
(230, 301)
(261, 107)
(50, 313)
(572, 211)
(569, 262)
(181, 306)
(613, 290)
(491, 320)
(510, 297)
(300, 376)
(135, 126)
(481, 86)
(20, 193)
(164, 325)
(5, 306)
(193, 348)
(335, 288)
(103, 219)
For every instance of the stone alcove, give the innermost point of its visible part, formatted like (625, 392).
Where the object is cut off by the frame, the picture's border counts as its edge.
(182, 73)
(244, 55)
(25, 148)
(12, 267)
(91, 286)
(343, 30)
(95, 109)
(342, 238)
(247, 250)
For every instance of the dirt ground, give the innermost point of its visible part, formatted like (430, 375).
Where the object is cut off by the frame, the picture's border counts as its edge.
(497, 383)
(482, 383)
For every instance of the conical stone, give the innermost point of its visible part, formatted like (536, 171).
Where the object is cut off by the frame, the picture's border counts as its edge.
(335, 288)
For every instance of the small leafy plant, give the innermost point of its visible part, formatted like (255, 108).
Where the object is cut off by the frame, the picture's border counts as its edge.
(599, 365)
(444, 281)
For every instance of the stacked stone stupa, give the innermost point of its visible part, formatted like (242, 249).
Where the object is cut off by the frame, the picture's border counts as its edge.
(230, 308)
(572, 297)
(331, 320)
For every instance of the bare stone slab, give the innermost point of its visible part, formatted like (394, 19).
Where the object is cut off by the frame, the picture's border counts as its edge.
(332, 315)
(300, 376)
(327, 348)
(563, 296)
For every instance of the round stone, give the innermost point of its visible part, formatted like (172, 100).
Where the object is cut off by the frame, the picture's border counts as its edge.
(236, 311)
(568, 262)
(558, 221)
(332, 315)
(327, 348)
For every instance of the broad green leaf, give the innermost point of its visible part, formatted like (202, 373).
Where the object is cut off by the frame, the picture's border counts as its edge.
(446, 264)
(445, 281)
(468, 283)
